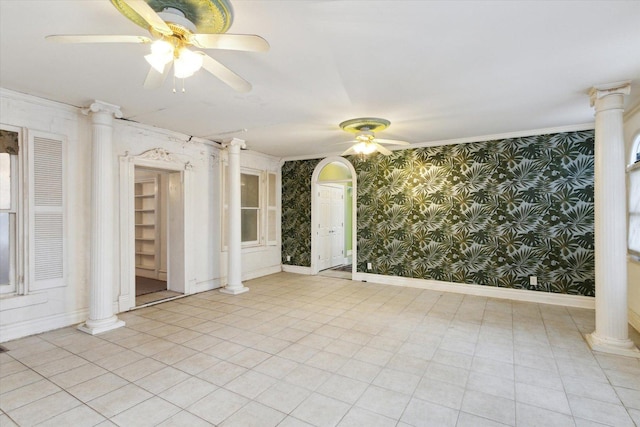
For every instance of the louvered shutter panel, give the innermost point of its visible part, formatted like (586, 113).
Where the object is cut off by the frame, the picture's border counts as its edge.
(46, 225)
(272, 209)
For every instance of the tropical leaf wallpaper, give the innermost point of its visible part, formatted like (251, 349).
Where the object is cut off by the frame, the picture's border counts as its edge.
(490, 213)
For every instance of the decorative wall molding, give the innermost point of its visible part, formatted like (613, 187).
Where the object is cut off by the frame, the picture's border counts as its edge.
(42, 324)
(21, 301)
(578, 301)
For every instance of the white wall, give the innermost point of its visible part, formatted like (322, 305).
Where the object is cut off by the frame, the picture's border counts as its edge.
(631, 131)
(67, 305)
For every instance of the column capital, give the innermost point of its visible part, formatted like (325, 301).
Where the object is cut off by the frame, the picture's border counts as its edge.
(617, 88)
(103, 107)
(235, 142)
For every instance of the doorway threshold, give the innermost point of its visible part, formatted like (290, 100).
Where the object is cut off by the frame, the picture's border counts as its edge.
(156, 298)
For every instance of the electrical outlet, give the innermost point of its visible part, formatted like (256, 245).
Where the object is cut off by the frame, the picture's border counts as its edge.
(369, 266)
(288, 258)
(533, 280)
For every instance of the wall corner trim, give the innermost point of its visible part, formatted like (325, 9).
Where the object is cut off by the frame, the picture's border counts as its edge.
(578, 301)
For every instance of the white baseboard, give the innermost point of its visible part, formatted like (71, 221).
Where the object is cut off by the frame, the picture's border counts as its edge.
(204, 286)
(42, 324)
(479, 290)
(296, 269)
(634, 320)
(262, 272)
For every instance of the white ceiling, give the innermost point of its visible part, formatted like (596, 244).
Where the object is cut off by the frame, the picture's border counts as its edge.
(437, 70)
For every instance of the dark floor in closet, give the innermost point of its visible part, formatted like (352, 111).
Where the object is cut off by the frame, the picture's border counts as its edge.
(144, 285)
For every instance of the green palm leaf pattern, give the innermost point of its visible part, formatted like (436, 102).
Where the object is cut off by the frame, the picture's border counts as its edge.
(490, 213)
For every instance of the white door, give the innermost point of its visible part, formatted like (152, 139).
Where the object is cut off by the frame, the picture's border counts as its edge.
(331, 226)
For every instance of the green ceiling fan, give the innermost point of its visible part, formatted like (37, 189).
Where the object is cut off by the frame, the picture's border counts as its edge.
(365, 141)
(177, 26)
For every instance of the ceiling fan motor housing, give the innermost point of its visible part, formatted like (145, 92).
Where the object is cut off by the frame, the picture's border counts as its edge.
(207, 16)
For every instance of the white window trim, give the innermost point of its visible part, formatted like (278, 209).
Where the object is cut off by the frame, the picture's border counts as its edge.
(16, 277)
(261, 216)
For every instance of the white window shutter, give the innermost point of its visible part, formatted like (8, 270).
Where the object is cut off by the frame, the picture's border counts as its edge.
(272, 209)
(46, 206)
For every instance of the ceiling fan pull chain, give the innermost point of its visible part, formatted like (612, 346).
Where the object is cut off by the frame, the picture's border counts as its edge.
(174, 83)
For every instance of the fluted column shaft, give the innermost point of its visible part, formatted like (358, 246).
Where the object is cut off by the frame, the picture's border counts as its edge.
(234, 230)
(101, 316)
(611, 334)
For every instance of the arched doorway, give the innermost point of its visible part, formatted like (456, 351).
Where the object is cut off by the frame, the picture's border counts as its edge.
(333, 215)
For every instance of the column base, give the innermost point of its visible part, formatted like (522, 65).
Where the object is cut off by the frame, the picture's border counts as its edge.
(612, 346)
(235, 290)
(95, 327)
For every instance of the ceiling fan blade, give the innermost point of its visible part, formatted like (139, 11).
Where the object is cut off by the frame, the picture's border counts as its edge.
(382, 149)
(350, 150)
(155, 79)
(148, 14)
(391, 141)
(246, 42)
(225, 74)
(89, 38)
(353, 141)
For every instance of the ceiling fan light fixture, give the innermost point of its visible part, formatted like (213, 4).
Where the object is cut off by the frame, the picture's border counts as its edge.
(161, 54)
(364, 148)
(187, 63)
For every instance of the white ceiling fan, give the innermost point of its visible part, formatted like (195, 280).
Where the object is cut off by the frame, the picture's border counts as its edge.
(365, 141)
(175, 27)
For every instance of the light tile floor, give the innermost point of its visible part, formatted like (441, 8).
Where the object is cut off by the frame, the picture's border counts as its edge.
(300, 350)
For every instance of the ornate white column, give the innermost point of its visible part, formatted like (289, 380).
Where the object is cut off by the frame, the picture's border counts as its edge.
(101, 317)
(612, 333)
(234, 231)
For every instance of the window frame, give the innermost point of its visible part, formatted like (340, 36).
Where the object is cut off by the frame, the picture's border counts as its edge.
(263, 241)
(260, 208)
(14, 211)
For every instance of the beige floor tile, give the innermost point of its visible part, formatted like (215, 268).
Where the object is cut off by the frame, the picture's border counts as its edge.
(19, 379)
(422, 413)
(139, 369)
(150, 413)
(119, 400)
(27, 394)
(383, 401)
(97, 387)
(78, 375)
(357, 417)
(218, 406)
(321, 411)
(161, 380)
(250, 384)
(312, 350)
(42, 409)
(532, 416)
(79, 416)
(284, 397)
(188, 392)
(491, 407)
(196, 363)
(221, 373)
(343, 388)
(184, 418)
(5, 421)
(254, 415)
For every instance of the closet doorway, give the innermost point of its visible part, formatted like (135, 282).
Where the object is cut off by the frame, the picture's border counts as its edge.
(152, 212)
